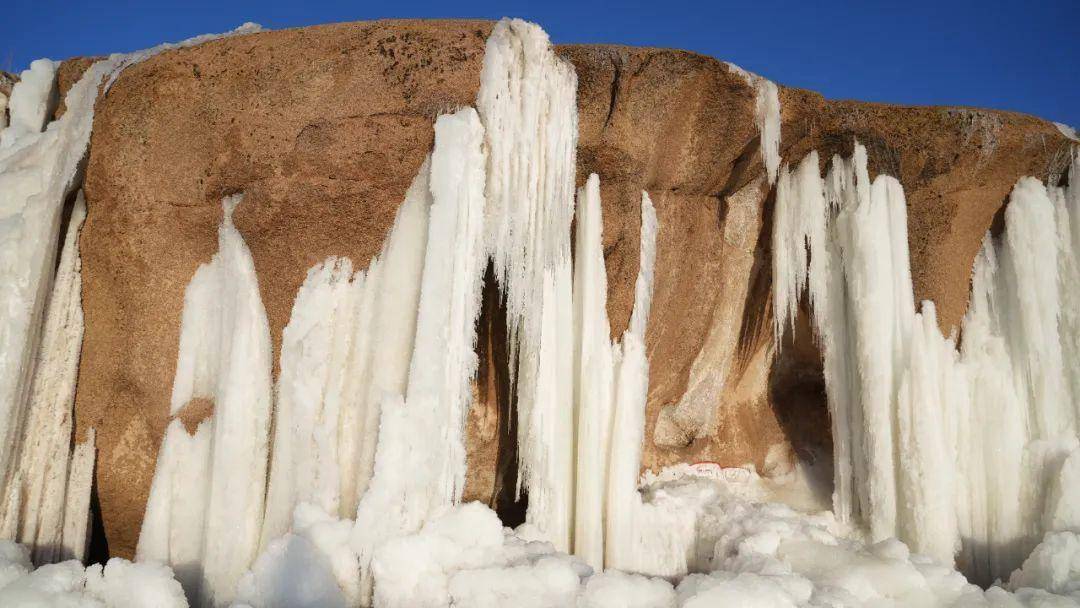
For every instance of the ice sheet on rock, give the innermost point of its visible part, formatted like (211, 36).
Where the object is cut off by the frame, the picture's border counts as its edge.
(527, 103)
(45, 465)
(76, 533)
(224, 356)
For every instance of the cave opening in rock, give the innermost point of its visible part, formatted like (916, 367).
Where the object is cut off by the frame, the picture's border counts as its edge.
(798, 398)
(492, 427)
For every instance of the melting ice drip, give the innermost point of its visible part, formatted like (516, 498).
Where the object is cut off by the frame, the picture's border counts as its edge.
(970, 449)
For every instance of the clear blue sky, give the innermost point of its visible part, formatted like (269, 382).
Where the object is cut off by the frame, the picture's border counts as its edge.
(1018, 55)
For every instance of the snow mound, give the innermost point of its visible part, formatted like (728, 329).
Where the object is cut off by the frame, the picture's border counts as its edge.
(119, 584)
(745, 553)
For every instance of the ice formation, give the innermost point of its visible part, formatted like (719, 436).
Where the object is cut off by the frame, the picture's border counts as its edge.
(44, 481)
(766, 117)
(952, 450)
(51, 487)
(341, 484)
(205, 509)
(528, 105)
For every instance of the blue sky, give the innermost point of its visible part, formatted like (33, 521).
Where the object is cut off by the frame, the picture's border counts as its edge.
(1015, 55)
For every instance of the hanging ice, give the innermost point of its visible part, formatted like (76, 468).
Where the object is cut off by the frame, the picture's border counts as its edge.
(594, 371)
(224, 356)
(944, 449)
(51, 481)
(528, 107)
(766, 117)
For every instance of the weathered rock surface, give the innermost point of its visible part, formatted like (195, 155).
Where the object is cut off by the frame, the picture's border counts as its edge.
(324, 128)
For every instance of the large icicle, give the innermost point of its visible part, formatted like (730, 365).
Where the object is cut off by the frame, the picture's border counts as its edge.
(624, 504)
(527, 102)
(594, 374)
(389, 309)
(317, 357)
(422, 433)
(224, 356)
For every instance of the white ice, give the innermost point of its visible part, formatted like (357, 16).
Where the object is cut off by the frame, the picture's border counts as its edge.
(119, 584)
(210, 518)
(958, 451)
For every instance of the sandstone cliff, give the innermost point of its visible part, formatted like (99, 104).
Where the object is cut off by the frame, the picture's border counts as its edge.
(323, 129)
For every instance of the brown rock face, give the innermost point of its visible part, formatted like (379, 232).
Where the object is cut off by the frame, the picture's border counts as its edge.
(324, 128)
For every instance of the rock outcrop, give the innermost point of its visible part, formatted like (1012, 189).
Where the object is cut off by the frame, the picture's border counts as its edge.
(323, 129)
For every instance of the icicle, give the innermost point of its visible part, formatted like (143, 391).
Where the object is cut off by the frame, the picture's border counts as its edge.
(422, 434)
(316, 348)
(624, 504)
(528, 106)
(173, 529)
(594, 374)
(224, 356)
(766, 117)
(391, 300)
(930, 444)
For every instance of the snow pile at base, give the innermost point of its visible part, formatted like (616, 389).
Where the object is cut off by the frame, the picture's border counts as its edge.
(119, 584)
(747, 553)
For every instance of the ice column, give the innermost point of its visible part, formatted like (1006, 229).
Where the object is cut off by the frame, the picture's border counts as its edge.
(594, 373)
(934, 444)
(45, 477)
(528, 106)
(420, 457)
(224, 356)
(624, 503)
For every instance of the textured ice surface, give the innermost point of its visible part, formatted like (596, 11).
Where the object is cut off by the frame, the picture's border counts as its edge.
(356, 502)
(119, 584)
(527, 102)
(952, 450)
